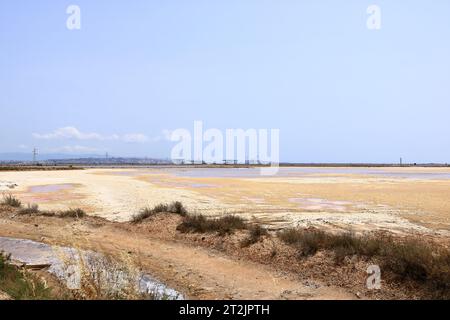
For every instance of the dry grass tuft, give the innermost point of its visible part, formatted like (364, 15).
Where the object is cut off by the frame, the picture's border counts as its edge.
(410, 258)
(20, 284)
(255, 233)
(30, 209)
(145, 213)
(201, 224)
(72, 213)
(10, 200)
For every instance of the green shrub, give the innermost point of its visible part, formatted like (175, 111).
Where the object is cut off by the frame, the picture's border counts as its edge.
(21, 285)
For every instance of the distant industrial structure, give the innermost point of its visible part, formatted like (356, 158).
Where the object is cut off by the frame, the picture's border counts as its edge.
(35, 152)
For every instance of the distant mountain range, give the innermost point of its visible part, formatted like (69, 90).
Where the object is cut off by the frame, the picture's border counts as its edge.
(22, 156)
(79, 159)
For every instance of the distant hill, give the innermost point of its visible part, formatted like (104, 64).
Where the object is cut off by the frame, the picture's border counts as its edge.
(79, 159)
(22, 156)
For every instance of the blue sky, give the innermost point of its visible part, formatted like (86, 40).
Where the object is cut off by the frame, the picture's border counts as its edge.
(337, 91)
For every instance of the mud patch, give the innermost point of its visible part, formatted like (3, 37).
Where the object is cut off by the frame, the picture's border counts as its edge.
(50, 188)
(51, 193)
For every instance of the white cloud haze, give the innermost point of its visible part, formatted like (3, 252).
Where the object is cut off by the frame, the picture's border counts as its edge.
(74, 133)
(75, 149)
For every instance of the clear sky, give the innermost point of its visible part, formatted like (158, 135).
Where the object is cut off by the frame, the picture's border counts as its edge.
(337, 91)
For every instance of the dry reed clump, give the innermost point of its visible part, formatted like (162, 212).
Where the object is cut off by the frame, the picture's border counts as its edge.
(30, 209)
(145, 213)
(255, 233)
(410, 258)
(70, 213)
(10, 200)
(201, 224)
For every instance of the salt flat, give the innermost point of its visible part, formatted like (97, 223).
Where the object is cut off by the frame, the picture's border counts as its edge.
(396, 199)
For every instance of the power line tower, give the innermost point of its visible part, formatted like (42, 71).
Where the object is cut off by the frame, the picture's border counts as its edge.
(35, 152)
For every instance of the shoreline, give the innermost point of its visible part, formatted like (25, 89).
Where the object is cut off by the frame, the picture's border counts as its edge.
(79, 166)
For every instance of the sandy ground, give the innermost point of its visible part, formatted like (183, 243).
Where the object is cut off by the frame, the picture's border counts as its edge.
(404, 200)
(412, 200)
(197, 272)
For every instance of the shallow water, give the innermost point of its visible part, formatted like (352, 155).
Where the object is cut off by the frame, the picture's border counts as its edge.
(304, 172)
(51, 188)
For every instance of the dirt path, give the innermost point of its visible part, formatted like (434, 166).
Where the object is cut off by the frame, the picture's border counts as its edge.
(198, 272)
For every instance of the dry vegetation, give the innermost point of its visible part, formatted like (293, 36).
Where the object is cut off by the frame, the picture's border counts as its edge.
(30, 209)
(10, 200)
(145, 213)
(409, 258)
(106, 278)
(404, 260)
(20, 284)
(200, 224)
(100, 278)
(255, 233)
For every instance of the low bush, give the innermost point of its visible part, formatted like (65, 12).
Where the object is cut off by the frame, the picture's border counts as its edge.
(72, 213)
(409, 258)
(10, 200)
(30, 209)
(174, 207)
(201, 224)
(309, 241)
(178, 208)
(142, 215)
(255, 233)
(162, 207)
